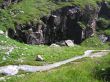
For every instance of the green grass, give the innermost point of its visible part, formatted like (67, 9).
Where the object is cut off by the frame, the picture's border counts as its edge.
(107, 32)
(83, 71)
(94, 42)
(29, 52)
(27, 10)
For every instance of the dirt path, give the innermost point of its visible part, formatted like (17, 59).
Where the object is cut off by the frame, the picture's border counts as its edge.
(14, 69)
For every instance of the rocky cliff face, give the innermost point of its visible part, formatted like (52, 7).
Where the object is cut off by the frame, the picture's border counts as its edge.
(70, 22)
(7, 3)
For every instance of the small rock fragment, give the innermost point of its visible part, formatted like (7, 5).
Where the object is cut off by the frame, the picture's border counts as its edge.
(39, 58)
(54, 45)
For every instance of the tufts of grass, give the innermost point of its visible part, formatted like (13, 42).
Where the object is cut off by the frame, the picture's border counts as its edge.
(83, 71)
(28, 53)
(107, 32)
(95, 43)
(27, 10)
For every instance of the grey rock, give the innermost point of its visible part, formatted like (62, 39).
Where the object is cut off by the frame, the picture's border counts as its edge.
(103, 38)
(54, 45)
(61, 43)
(39, 58)
(69, 43)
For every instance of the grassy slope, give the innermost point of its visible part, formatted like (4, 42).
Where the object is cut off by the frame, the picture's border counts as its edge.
(33, 9)
(28, 53)
(80, 71)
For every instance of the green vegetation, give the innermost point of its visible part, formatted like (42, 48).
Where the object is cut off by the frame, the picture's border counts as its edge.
(33, 9)
(82, 25)
(107, 32)
(103, 26)
(103, 23)
(28, 53)
(85, 70)
(94, 42)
